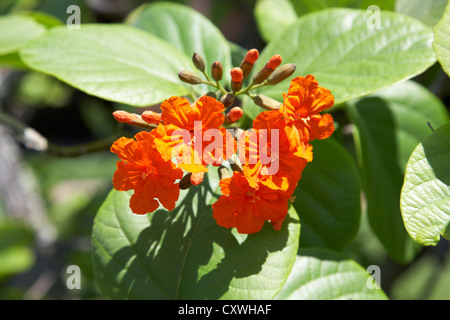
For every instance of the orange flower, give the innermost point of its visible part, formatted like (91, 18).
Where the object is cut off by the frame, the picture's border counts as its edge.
(269, 157)
(143, 170)
(185, 133)
(302, 106)
(247, 208)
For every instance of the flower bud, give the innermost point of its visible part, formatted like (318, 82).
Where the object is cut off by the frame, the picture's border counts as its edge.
(281, 73)
(212, 95)
(151, 117)
(189, 77)
(198, 61)
(262, 75)
(251, 56)
(227, 100)
(237, 79)
(217, 71)
(249, 61)
(125, 117)
(274, 62)
(185, 182)
(236, 74)
(224, 173)
(235, 114)
(266, 102)
(133, 119)
(268, 69)
(197, 178)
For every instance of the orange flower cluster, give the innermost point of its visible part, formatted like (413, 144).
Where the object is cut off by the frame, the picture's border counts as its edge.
(260, 192)
(189, 137)
(183, 132)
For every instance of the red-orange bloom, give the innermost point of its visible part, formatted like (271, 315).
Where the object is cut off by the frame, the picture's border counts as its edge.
(269, 156)
(247, 208)
(193, 133)
(143, 170)
(302, 106)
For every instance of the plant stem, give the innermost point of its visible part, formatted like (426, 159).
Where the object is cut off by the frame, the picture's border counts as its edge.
(251, 87)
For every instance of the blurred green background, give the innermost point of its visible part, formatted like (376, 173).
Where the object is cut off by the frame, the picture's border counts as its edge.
(48, 202)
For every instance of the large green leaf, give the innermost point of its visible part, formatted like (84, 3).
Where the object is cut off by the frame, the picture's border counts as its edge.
(114, 62)
(16, 31)
(429, 12)
(307, 6)
(389, 125)
(323, 275)
(186, 29)
(184, 254)
(327, 198)
(349, 58)
(442, 40)
(272, 16)
(425, 197)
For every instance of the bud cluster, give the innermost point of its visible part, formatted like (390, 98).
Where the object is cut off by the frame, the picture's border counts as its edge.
(271, 74)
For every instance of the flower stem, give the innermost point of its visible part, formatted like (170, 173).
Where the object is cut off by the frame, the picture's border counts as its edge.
(251, 87)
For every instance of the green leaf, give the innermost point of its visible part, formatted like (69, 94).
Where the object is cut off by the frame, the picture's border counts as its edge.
(12, 61)
(327, 198)
(320, 274)
(425, 197)
(347, 57)
(114, 62)
(186, 29)
(307, 6)
(389, 125)
(184, 254)
(442, 40)
(429, 12)
(272, 16)
(16, 31)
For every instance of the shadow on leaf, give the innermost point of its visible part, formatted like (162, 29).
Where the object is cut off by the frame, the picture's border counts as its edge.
(184, 254)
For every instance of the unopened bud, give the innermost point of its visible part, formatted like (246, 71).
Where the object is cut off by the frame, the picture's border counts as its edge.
(266, 102)
(133, 119)
(236, 74)
(251, 56)
(189, 77)
(198, 61)
(235, 114)
(197, 178)
(268, 69)
(185, 182)
(281, 73)
(211, 94)
(237, 79)
(151, 117)
(274, 62)
(217, 71)
(227, 100)
(224, 173)
(248, 62)
(262, 75)
(125, 117)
